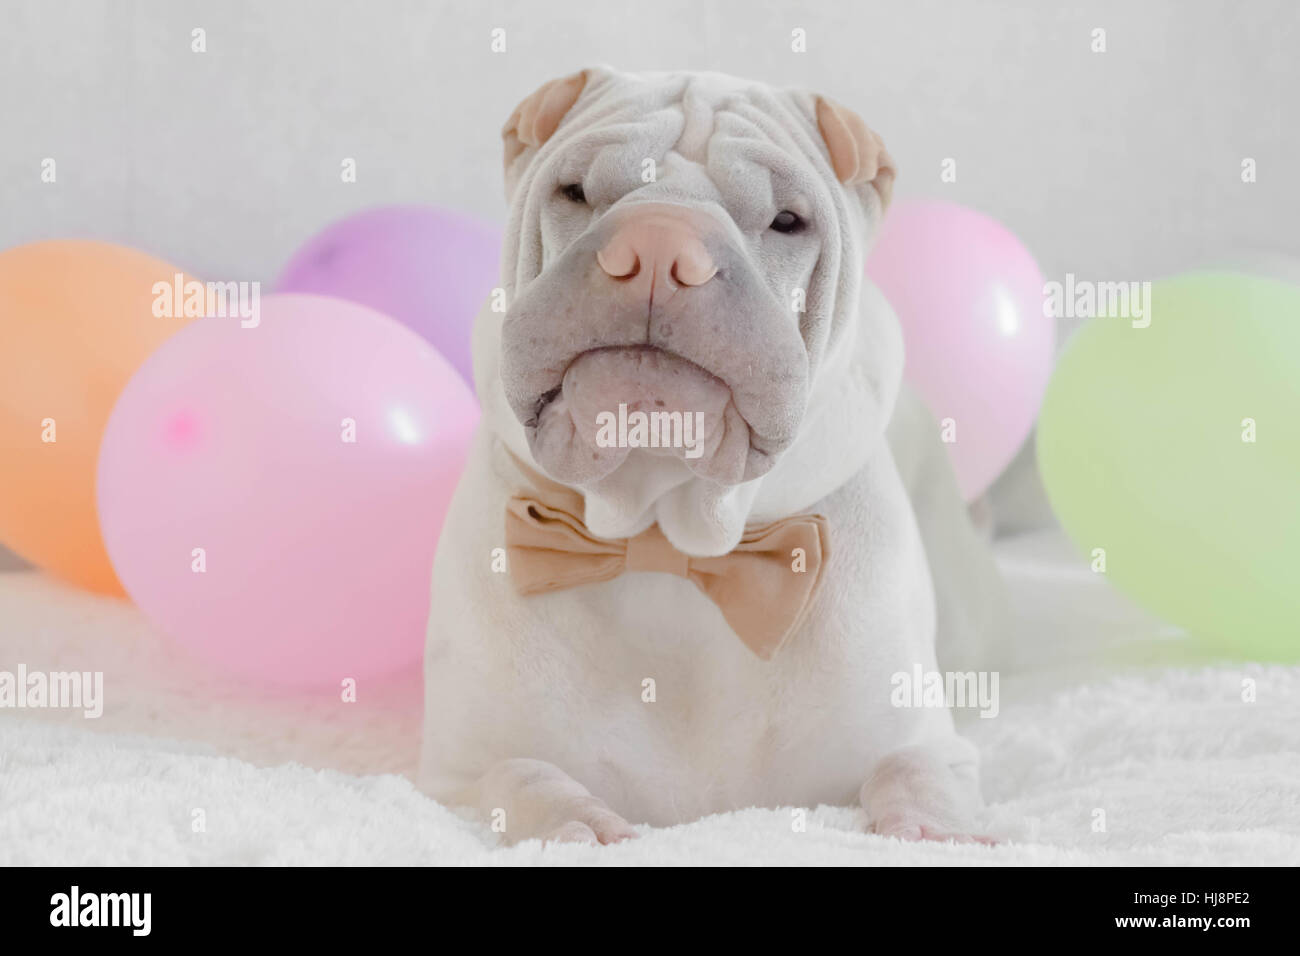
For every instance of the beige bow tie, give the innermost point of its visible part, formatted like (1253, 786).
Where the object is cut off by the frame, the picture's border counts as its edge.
(758, 586)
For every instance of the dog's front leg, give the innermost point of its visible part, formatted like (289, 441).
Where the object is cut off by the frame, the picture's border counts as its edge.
(537, 800)
(926, 791)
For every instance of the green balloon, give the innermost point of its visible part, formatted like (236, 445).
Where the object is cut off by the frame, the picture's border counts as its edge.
(1175, 448)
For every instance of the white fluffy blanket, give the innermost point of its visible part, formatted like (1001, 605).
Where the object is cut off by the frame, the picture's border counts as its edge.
(1106, 712)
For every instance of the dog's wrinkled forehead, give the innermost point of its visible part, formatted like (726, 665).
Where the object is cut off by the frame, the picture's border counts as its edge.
(707, 134)
(718, 222)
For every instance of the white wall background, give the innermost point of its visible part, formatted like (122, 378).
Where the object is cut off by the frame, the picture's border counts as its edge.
(1123, 164)
(1111, 165)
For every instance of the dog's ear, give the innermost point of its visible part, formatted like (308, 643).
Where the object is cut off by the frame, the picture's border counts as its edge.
(535, 120)
(857, 152)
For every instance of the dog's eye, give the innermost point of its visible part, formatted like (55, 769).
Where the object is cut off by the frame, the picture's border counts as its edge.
(786, 221)
(573, 192)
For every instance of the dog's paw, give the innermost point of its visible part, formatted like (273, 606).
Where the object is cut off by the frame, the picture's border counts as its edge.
(926, 793)
(917, 832)
(588, 820)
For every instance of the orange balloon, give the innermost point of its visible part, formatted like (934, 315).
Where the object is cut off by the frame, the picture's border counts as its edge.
(76, 320)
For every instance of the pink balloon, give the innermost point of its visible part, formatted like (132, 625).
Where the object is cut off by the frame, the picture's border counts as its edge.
(316, 550)
(979, 349)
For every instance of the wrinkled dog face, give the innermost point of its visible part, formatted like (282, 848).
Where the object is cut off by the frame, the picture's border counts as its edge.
(688, 250)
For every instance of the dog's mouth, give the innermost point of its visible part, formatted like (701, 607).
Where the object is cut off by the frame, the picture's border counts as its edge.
(625, 361)
(613, 402)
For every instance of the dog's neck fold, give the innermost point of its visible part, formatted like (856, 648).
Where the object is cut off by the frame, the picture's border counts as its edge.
(851, 400)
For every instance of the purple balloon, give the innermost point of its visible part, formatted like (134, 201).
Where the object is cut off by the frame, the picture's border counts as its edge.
(428, 268)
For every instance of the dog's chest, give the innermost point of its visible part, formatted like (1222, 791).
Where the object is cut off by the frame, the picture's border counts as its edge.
(679, 718)
(639, 689)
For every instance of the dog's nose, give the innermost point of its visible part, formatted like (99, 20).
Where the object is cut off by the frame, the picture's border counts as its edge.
(659, 246)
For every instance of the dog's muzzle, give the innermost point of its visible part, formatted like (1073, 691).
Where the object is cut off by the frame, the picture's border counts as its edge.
(654, 333)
